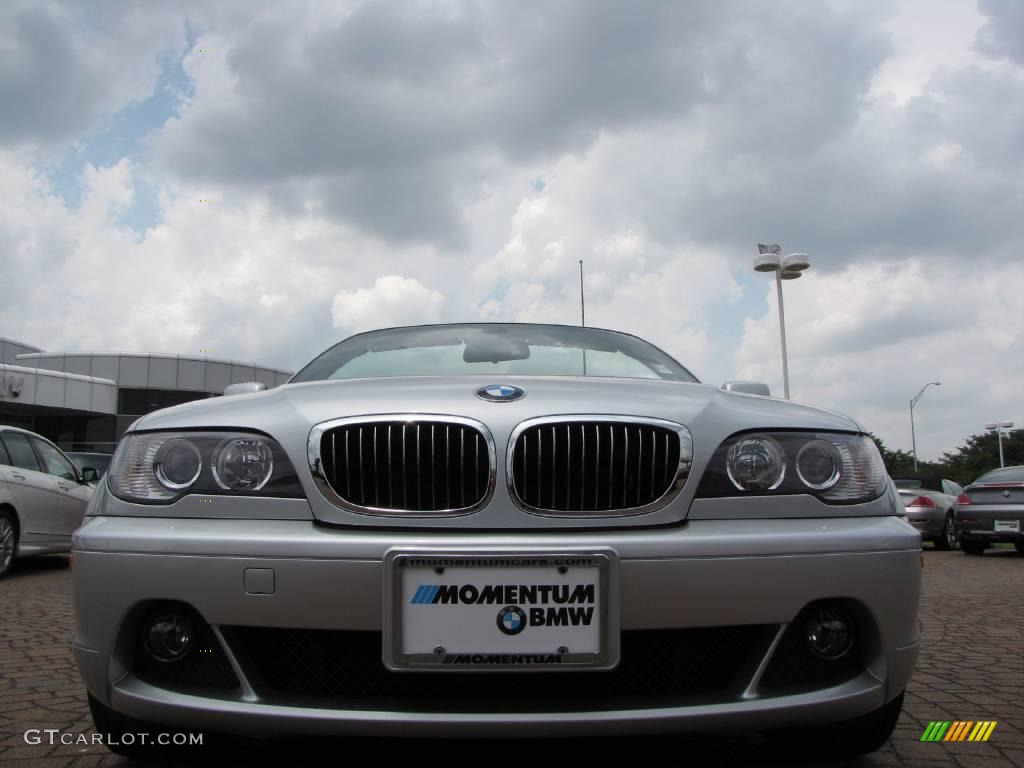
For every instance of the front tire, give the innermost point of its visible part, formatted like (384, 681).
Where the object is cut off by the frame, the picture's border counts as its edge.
(948, 539)
(973, 547)
(8, 541)
(848, 738)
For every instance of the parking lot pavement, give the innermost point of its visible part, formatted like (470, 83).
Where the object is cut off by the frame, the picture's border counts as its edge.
(971, 668)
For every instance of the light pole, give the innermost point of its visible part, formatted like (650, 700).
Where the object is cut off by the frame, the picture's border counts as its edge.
(913, 402)
(998, 428)
(785, 268)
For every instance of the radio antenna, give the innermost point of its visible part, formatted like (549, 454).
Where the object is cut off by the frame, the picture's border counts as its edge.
(583, 317)
(583, 309)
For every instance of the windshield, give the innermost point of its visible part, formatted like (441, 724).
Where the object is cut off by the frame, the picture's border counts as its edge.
(928, 483)
(510, 349)
(1004, 475)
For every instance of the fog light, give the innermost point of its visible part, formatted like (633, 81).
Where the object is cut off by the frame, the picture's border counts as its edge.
(169, 636)
(828, 634)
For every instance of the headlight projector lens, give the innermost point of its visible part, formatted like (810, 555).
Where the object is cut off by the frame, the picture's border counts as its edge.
(818, 464)
(177, 464)
(243, 464)
(756, 464)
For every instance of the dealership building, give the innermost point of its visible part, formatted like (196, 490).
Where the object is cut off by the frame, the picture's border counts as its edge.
(86, 400)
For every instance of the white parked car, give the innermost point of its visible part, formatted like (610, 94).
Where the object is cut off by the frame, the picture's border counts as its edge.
(42, 496)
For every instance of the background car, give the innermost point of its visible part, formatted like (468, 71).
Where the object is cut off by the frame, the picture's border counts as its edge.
(98, 461)
(991, 509)
(42, 496)
(931, 508)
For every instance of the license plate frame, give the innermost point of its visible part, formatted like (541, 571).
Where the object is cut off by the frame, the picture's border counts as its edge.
(1006, 526)
(396, 659)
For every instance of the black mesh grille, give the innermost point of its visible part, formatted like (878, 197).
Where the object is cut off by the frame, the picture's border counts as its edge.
(421, 466)
(594, 466)
(343, 669)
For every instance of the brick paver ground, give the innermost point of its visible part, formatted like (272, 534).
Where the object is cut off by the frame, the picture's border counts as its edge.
(971, 668)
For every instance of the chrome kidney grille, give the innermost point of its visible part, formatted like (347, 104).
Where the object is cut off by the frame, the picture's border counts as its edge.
(404, 465)
(597, 465)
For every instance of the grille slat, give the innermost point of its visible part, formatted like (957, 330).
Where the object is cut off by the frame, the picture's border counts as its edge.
(583, 466)
(426, 466)
(666, 469)
(419, 475)
(611, 464)
(625, 464)
(593, 465)
(654, 458)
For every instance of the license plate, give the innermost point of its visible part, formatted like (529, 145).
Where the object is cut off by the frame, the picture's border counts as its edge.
(1007, 526)
(493, 612)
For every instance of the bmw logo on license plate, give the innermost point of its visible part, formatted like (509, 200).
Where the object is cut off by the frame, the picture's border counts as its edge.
(500, 393)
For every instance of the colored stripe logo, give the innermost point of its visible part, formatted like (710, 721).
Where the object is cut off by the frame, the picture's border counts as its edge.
(425, 593)
(958, 730)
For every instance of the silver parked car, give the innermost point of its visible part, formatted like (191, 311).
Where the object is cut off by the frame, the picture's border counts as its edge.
(489, 529)
(42, 496)
(991, 509)
(931, 508)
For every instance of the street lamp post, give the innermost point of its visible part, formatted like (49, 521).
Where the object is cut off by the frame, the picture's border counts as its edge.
(913, 402)
(789, 267)
(998, 428)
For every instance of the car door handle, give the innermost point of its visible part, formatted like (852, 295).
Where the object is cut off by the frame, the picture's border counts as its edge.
(64, 487)
(16, 476)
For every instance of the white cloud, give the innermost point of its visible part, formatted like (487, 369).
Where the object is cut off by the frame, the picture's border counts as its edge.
(865, 340)
(378, 164)
(392, 300)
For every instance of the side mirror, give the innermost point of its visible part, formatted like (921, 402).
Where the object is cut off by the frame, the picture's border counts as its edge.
(244, 388)
(90, 475)
(748, 388)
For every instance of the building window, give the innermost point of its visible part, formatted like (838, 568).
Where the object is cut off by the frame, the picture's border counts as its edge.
(137, 402)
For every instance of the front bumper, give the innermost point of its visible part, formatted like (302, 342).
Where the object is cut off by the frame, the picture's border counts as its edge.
(703, 574)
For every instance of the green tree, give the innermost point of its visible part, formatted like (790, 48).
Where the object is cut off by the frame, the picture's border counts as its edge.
(900, 463)
(980, 453)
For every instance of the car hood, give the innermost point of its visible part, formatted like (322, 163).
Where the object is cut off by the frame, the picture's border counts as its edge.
(289, 412)
(698, 406)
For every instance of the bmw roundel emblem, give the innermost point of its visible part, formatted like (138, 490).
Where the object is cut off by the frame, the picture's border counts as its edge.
(500, 393)
(511, 620)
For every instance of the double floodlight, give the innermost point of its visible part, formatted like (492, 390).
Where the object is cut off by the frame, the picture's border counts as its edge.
(789, 267)
(1000, 425)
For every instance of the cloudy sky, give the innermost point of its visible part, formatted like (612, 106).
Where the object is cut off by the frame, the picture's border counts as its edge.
(261, 181)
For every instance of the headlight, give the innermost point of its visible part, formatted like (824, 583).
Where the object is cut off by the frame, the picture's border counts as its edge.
(819, 464)
(836, 467)
(161, 467)
(756, 464)
(177, 464)
(243, 464)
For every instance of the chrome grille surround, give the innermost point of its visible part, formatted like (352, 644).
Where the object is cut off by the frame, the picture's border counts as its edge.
(672, 489)
(314, 448)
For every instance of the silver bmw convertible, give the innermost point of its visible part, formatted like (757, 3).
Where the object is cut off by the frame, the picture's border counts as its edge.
(497, 530)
